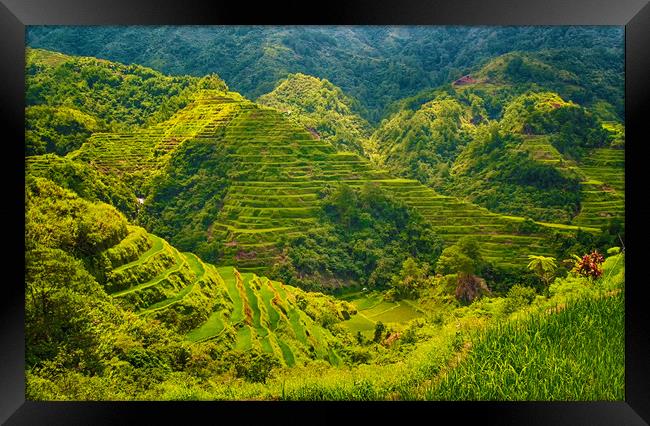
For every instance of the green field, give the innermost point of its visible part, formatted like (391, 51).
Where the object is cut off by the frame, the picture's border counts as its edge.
(372, 309)
(603, 192)
(582, 345)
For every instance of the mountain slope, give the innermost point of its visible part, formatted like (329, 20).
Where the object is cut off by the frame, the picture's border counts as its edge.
(137, 154)
(228, 179)
(269, 174)
(536, 174)
(603, 191)
(69, 97)
(323, 108)
(376, 65)
(589, 77)
(84, 180)
(141, 273)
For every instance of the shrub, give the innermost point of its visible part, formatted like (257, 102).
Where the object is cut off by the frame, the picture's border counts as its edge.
(528, 226)
(518, 297)
(252, 366)
(590, 265)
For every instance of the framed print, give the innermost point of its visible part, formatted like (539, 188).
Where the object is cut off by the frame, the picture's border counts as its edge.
(251, 212)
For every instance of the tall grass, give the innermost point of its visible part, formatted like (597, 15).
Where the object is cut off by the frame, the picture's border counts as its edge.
(576, 354)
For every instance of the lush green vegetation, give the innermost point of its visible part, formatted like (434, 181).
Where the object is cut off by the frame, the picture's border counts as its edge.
(422, 143)
(589, 77)
(379, 230)
(364, 238)
(583, 345)
(603, 193)
(493, 172)
(137, 297)
(197, 168)
(56, 129)
(323, 109)
(84, 180)
(376, 65)
(69, 98)
(504, 145)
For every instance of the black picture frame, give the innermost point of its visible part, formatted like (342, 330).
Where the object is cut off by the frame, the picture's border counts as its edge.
(633, 14)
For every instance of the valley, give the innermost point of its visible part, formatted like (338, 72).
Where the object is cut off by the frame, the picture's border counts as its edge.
(311, 243)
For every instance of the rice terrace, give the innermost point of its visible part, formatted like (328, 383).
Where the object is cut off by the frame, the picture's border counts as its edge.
(325, 213)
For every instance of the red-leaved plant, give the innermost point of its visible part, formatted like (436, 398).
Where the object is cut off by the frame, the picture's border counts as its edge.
(589, 265)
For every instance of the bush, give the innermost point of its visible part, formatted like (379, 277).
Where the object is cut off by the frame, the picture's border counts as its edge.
(528, 226)
(252, 366)
(518, 297)
(589, 265)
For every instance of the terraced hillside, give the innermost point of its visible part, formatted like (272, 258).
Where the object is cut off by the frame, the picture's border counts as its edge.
(145, 274)
(267, 315)
(138, 153)
(603, 179)
(277, 171)
(453, 218)
(281, 169)
(541, 149)
(603, 193)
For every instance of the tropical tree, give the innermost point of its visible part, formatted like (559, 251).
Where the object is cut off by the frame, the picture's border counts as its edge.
(470, 287)
(379, 331)
(462, 257)
(411, 278)
(544, 267)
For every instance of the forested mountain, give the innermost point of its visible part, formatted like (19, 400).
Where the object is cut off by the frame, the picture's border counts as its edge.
(69, 98)
(323, 108)
(361, 213)
(590, 77)
(374, 64)
(504, 137)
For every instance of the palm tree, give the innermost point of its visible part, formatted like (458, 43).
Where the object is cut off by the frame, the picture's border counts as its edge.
(544, 267)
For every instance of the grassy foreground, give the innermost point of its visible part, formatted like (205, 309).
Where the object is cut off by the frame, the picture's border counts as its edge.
(577, 354)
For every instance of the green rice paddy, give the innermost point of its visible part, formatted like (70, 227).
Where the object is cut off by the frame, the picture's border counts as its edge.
(372, 309)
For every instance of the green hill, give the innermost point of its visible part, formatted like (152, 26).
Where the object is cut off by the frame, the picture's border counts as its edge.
(375, 64)
(420, 144)
(323, 109)
(175, 231)
(70, 97)
(250, 176)
(142, 273)
(592, 78)
(509, 147)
